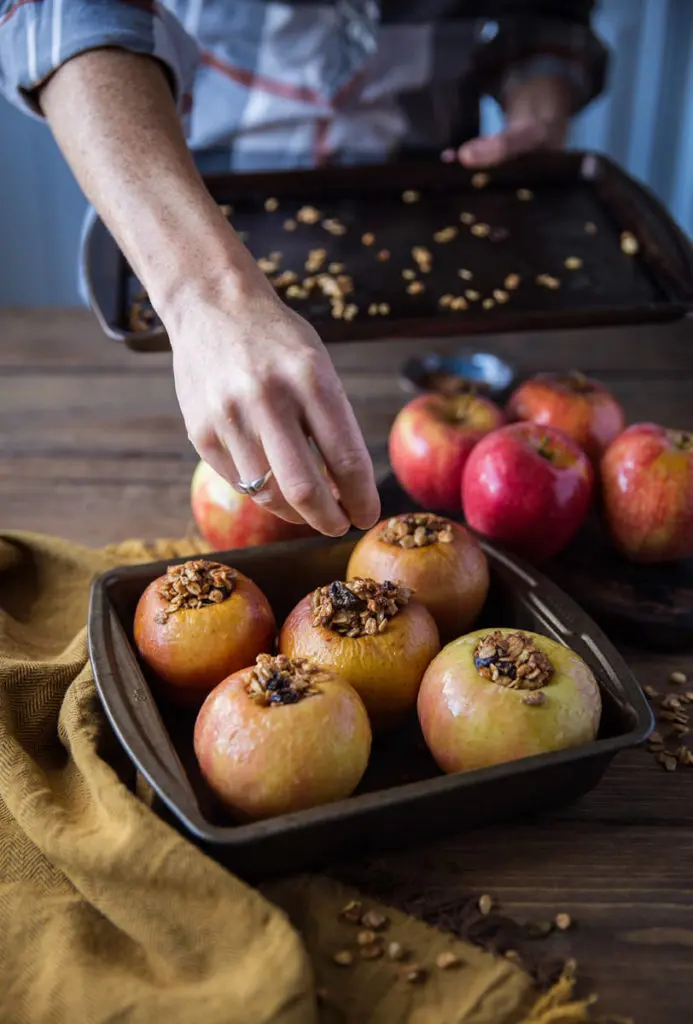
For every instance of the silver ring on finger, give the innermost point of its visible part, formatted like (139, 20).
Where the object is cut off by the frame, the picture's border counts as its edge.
(252, 487)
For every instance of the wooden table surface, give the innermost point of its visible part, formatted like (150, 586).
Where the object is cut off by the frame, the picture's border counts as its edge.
(92, 447)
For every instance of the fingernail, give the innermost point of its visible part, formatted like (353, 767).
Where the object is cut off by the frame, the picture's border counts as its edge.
(339, 531)
(448, 156)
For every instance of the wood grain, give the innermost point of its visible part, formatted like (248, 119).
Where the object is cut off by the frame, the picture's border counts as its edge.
(92, 447)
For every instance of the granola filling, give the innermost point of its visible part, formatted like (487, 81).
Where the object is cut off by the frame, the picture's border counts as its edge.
(514, 661)
(281, 680)
(358, 608)
(417, 530)
(195, 584)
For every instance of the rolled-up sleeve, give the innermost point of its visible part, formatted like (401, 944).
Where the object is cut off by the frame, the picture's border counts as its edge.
(38, 36)
(521, 44)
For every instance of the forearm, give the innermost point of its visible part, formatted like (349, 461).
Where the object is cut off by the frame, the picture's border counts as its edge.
(114, 118)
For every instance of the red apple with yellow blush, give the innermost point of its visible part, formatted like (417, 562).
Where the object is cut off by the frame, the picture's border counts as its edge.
(498, 695)
(579, 406)
(282, 736)
(529, 488)
(228, 520)
(430, 442)
(647, 483)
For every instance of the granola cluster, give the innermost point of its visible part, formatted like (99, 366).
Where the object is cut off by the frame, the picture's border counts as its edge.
(417, 530)
(514, 661)
(195, 584)
(281, 680)
(360, 607)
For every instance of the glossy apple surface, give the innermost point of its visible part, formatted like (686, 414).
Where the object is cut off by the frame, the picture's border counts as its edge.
(450, 578)
(470, 722)
(228, 520)
(529, 488)
(262, 761)
(430, 442)
(579, 406)
(192, 650)
(647, 482)
(385, 669)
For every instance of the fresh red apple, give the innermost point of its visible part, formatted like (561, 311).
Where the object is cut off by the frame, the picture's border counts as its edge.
(282, 736)
(198, 623)
(497, 695)
(647, 480)
(439, 560)
(577, 405)
(527, 487)
(430, 442)
(229, 520)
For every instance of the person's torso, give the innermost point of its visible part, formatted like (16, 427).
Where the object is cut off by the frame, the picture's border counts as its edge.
(296, 84)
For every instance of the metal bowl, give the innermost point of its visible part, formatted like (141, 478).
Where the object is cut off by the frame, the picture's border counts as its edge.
(451, 374)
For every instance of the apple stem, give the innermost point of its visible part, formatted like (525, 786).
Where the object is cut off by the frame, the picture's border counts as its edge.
(544, 448)
(578, 381)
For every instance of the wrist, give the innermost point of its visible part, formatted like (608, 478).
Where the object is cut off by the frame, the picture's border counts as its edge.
(198, 260)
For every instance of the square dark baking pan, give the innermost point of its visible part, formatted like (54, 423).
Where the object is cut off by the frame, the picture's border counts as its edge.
(527, 238)
(403, 798)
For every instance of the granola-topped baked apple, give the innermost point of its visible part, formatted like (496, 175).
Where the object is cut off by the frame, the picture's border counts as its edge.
(497, 695)
(439, 560)
(198, 623)
(374, 635)
(282, 736)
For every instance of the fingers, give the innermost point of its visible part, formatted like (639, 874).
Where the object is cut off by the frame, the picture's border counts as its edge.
(251, 462)
(492, 150)
(302, 483)
(336, 433)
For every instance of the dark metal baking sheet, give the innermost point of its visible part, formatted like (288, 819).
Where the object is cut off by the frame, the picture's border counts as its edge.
(527, 238)
(403, 797)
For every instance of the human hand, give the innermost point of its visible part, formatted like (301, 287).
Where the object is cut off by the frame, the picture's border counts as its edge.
(255, 383)
(537, 116)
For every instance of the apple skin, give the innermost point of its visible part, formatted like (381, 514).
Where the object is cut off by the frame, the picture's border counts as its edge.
(265, 761)
(228, 520)
(430, 442)
(385, 669)
(469, 722)
(195, 648)
(647, 482)
(450, 580)
(579, 406)
(532, 503)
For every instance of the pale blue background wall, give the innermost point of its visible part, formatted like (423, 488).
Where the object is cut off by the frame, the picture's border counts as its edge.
(645, 122)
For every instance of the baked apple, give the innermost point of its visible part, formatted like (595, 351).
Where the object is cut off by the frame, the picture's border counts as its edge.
(438, 559)
(497, 695)
(282, 736)
(197, 624)
(373, 635)
(579, 406)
